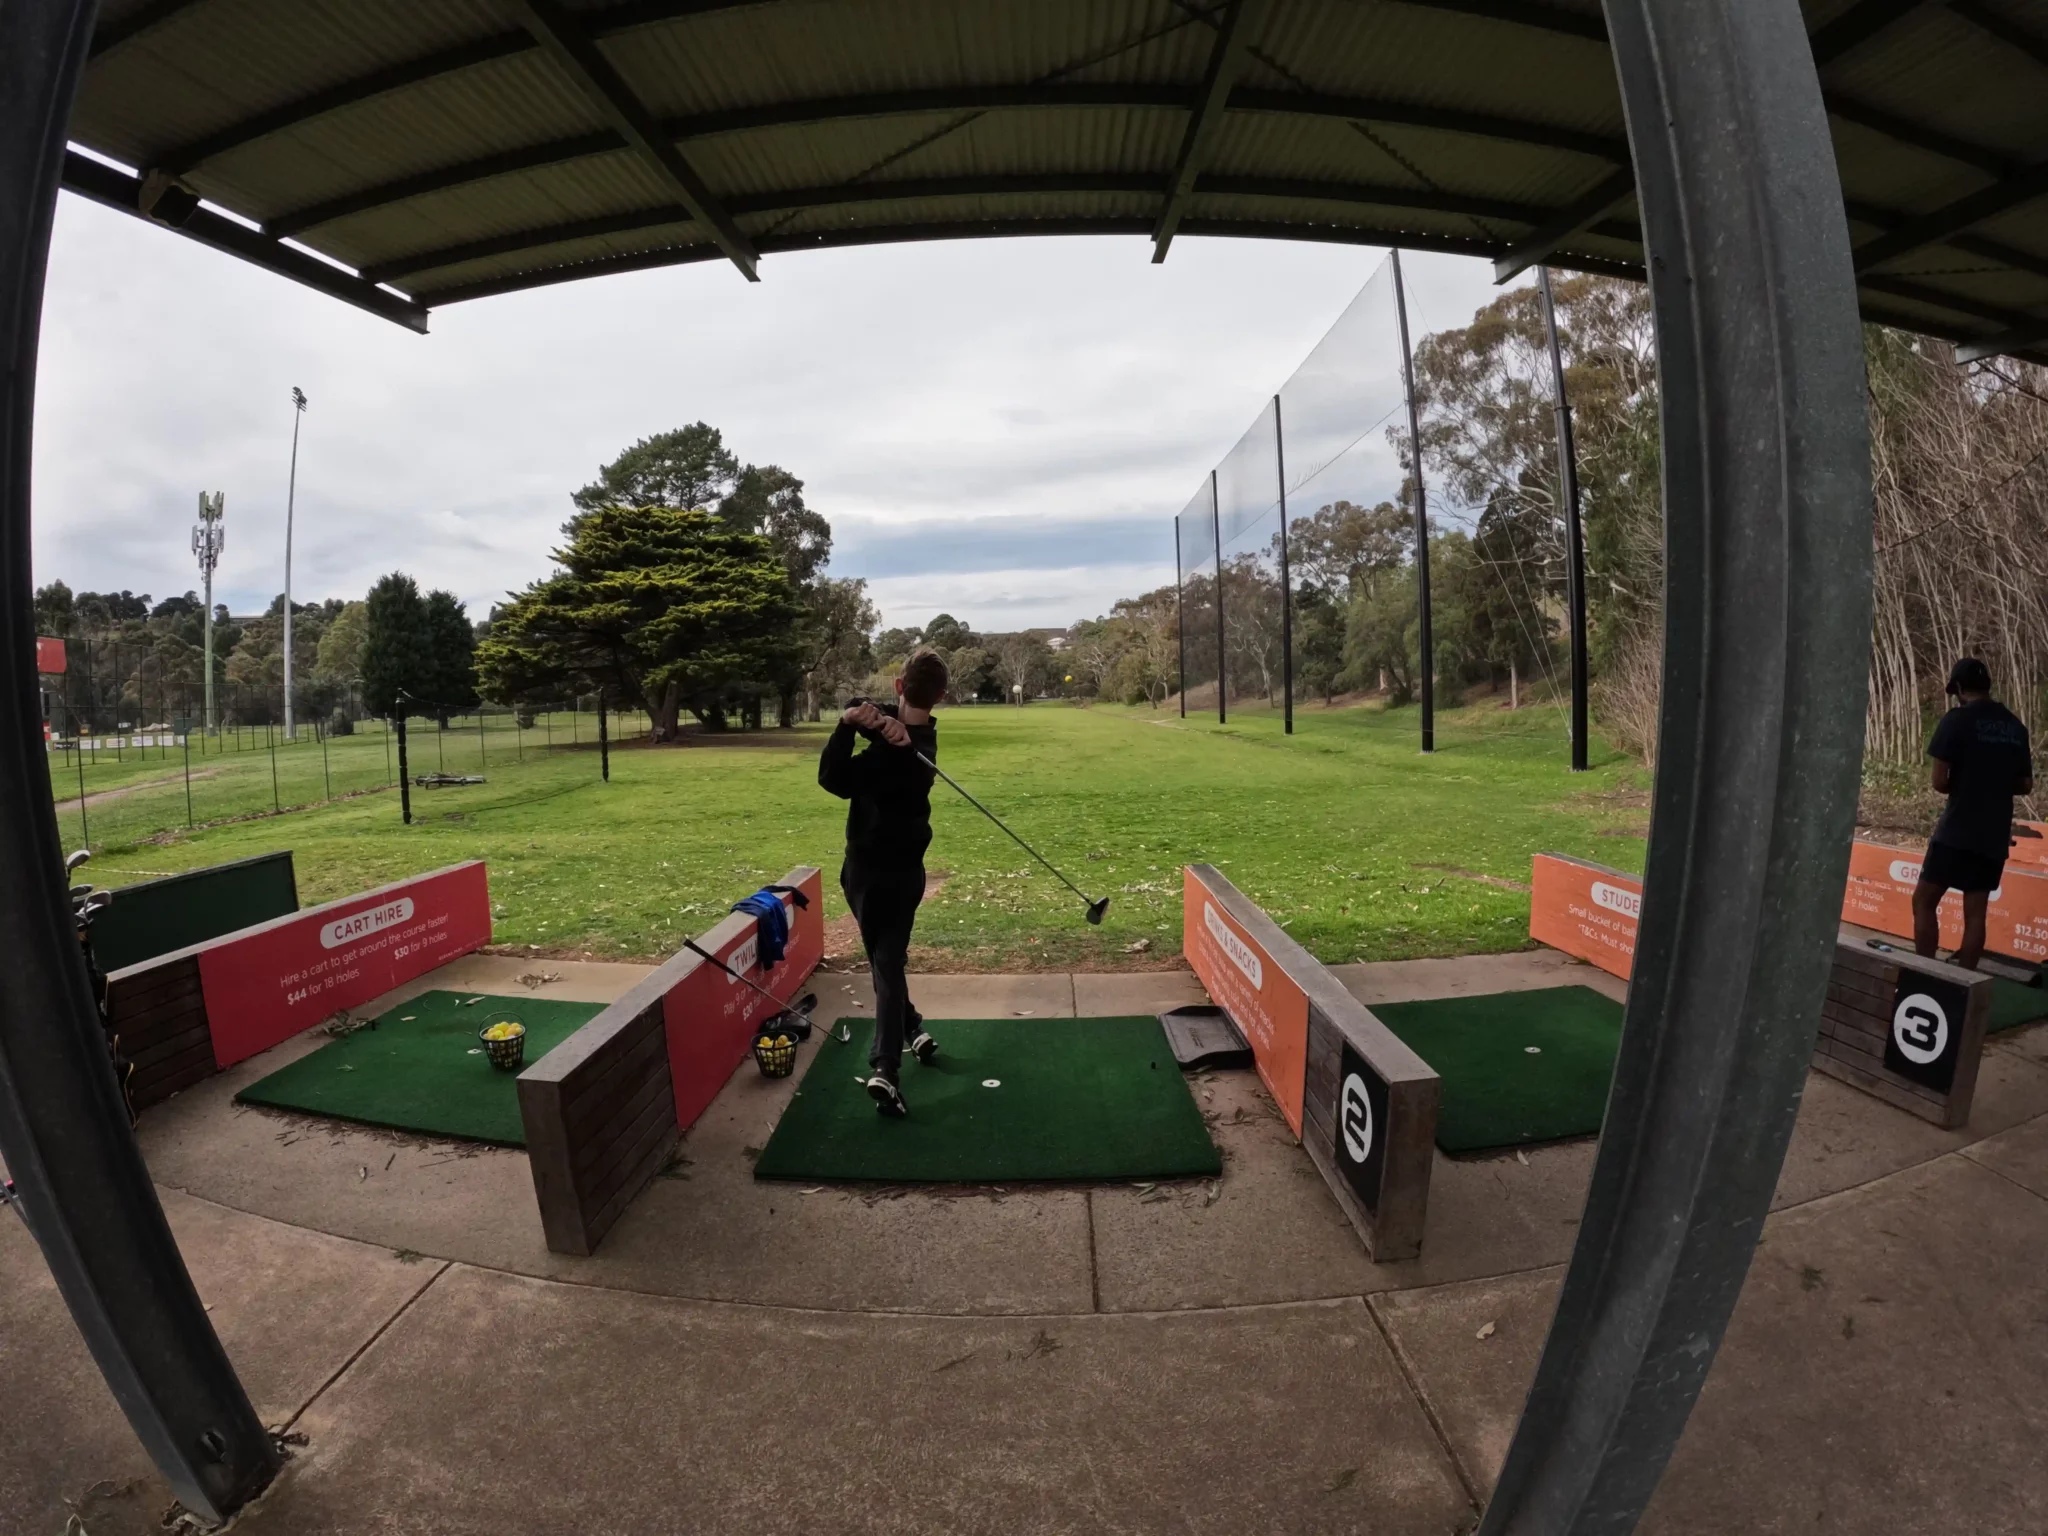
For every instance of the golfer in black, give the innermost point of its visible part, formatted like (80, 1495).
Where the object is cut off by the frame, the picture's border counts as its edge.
(888, 828)
(1982, 758)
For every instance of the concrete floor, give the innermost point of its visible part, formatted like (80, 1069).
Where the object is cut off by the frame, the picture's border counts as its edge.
(745, 1356)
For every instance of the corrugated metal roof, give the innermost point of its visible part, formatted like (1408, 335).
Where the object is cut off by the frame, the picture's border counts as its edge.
(456, 148)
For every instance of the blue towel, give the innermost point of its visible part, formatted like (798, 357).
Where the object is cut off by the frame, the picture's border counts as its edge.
(772, 932)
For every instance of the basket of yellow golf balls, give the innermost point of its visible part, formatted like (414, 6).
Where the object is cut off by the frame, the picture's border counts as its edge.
(774, 1054)
(506, 1043)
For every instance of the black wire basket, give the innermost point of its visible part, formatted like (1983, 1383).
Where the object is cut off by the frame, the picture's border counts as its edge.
(508, 1054)
(775, 1054)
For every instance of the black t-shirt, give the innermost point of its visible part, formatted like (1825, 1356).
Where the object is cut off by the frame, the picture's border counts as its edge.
(889, 819)
(1989, 758)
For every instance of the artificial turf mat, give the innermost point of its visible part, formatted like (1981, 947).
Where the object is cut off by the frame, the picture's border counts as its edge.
(1077, 1099)
(1497, 1092)
(414, 1070)
(2014, 1004)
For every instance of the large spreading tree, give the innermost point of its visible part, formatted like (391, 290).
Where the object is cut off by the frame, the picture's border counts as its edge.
(664, 607)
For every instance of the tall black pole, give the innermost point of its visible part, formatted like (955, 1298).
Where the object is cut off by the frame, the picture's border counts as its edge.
(604, 740)
(404, 778)
(1286, 592)
(1574, 537)
(1180, 625)
(64, 1129)
(1216, 527)
(1425, 642)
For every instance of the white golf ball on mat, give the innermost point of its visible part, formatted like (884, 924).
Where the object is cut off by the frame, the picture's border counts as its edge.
(991, 1082)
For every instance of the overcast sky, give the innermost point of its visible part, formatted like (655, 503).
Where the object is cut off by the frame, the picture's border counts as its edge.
(1002, 429)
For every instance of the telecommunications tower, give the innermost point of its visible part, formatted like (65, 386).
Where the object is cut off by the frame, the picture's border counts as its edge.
(209, 538)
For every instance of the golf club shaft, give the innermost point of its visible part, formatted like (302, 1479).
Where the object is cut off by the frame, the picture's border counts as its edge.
(780, 1006)
(992, 816)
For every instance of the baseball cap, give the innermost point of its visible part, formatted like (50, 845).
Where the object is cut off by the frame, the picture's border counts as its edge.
(1969, 676)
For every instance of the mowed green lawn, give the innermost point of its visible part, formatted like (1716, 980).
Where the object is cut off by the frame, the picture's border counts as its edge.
(1360, 845)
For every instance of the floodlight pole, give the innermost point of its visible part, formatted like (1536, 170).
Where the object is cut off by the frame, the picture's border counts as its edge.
(290, 497)
(1286, 595)
(64, 1129)
(209, 538)
(1574, 538)
(1180, 623)
(1216, 528)
(1424, 642)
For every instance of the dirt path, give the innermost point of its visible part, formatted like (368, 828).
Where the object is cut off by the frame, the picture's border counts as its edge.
(99, 795)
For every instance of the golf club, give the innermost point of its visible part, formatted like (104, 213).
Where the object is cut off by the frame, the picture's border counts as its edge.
(843, 1034)
(1095, 907)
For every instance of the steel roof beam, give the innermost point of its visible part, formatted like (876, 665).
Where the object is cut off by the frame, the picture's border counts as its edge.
(1589, 25)
(1857, 25)
(1956, 217)
(1416, 199)
(1885, 220)
(1940, 298)
(444, 61)
(1575, 218)
(2019, 338)
(1917, 136)
(975, 98)
(142, 19)
(967, 229)
(580, 59)
(1227, 57)
(103, 184)
(2007, 31)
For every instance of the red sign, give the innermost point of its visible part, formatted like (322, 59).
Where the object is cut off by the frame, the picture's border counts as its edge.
(1880, 896)
(49, 655)
(267, 983)
(1585, 910)
(710, 1018)
(1261, 998)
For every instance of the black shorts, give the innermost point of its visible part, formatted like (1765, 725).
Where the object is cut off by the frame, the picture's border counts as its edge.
(1958, 869)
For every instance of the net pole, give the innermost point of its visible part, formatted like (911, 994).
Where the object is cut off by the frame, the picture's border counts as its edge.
(1180, 623)
(1216, 528)
(1286, 593)
(84, 826)
(188, 775)
(1427, 665)
(1574, 537)
(404, 779)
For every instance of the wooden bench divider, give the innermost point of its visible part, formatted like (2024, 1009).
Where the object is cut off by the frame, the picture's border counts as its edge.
(605, 1109)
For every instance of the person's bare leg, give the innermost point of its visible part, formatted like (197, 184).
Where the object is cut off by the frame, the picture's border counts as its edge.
(1972, 948)
(1927, 917)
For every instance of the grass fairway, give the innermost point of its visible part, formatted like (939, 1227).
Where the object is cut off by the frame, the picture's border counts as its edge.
(1362, 847)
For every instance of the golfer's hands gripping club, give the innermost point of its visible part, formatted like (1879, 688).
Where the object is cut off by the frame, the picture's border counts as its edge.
(868, 718)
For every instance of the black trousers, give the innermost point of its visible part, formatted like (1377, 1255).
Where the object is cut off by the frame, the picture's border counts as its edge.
(884, 904)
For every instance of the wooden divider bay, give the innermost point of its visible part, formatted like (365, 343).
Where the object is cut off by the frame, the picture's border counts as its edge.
(1359, 1100)
(604, 1110)
(1902, 1028)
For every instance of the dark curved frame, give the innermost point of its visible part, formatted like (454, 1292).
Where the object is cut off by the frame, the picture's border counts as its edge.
(1767, 500)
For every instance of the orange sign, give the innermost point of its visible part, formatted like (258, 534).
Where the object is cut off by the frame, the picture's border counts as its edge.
(1261, 999)
(2030, 851)
(1585, 910)
(1880, 896)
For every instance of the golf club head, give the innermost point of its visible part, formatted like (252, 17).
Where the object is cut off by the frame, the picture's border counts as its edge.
(1096, 909)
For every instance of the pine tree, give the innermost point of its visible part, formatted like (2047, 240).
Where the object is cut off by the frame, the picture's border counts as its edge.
(451, 657)
(397, 646)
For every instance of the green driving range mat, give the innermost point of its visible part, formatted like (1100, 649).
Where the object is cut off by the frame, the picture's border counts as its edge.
(1006, 1100)
(422, 1068)
(2013, 1004)
(1517, 1067)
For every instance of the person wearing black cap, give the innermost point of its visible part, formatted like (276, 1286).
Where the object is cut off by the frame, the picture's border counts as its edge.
(1982, 758)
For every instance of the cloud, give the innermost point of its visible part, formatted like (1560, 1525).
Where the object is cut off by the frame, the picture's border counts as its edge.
(1005, 428)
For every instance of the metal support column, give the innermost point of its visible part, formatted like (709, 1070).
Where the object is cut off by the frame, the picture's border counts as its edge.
(1180, 625)
(1767, 508)
(1216, 528)
(1286, 591)
(1425, 641)
(1574, 535)
(63, 1128)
